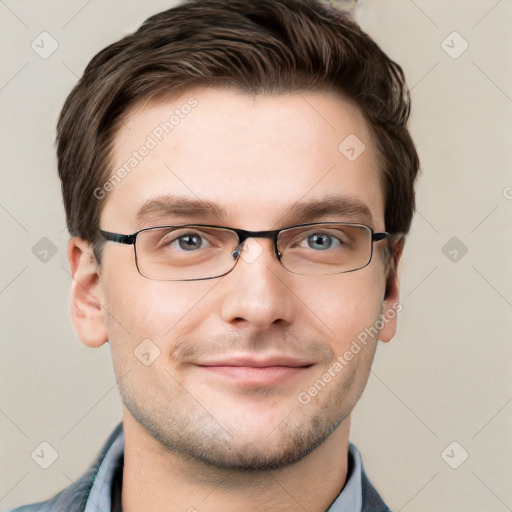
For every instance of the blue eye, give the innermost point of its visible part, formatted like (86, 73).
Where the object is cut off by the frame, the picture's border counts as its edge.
(322, 241)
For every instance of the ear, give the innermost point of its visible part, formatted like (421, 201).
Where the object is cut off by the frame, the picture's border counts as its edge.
(391, 304)
(86, 312)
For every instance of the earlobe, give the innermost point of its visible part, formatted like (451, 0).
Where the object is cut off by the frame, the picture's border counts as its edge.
(86, 311)
(391, 303)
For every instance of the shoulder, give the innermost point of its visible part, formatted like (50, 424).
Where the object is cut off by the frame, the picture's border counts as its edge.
(372, 502)
(74, 497)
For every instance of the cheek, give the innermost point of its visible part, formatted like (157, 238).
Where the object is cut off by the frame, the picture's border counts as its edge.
(345, 307)
(347, 296)
(138, 309)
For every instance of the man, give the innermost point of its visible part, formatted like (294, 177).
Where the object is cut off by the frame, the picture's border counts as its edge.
(238, 181)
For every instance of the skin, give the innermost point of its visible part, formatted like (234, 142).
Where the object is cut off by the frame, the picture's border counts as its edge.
(193, 437)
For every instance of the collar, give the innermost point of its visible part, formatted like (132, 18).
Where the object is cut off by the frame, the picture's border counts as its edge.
(99, 499)
(351, 497)
(99, 496)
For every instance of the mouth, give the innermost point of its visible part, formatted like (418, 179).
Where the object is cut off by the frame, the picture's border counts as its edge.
(265, 371)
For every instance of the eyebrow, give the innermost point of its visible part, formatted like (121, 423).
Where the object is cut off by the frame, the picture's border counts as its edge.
(333, 205)
(178, 206)
(300, 212)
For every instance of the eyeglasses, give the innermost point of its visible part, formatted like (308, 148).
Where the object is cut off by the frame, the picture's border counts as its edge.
(192, 252)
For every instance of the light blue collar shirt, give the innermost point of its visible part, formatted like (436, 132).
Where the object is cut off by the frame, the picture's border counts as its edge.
(349, 500)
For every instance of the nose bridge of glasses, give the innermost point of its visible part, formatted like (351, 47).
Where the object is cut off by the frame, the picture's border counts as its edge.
(243, 236)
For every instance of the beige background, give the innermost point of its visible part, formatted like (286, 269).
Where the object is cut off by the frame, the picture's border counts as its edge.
(445, 377)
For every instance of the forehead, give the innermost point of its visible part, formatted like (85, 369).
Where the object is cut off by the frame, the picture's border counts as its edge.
(254, 160)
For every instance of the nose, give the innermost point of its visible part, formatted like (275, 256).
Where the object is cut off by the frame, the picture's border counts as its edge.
(257, 293)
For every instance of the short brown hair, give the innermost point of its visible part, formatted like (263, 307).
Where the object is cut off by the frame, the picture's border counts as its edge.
(260, 47)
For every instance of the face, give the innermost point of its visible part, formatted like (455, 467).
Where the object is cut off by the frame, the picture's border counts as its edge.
(235, 360)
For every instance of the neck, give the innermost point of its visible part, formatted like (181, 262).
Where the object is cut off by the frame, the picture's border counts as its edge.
(158, 480)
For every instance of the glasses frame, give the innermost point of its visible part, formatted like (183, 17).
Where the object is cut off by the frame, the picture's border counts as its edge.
(243, 235)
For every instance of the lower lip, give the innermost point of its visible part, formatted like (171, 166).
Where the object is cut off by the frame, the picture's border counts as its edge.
(251, 376)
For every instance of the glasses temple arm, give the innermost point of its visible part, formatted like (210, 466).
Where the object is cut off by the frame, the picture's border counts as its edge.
(118, 238)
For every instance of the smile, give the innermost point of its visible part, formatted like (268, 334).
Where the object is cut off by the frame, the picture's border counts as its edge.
(257, 373)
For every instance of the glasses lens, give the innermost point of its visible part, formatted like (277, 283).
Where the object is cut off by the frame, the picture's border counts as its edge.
(324, 249)
(185, 253)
